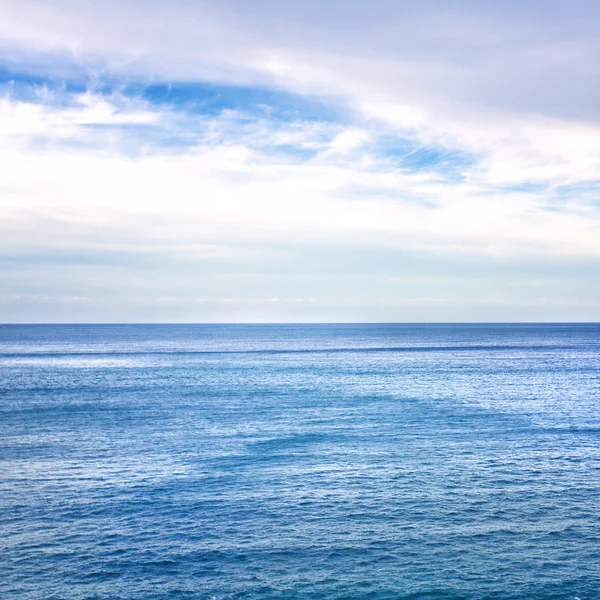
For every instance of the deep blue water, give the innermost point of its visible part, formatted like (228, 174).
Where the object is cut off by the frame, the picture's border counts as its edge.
(300, 462)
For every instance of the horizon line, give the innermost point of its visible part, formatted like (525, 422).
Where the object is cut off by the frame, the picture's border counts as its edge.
(262, 323)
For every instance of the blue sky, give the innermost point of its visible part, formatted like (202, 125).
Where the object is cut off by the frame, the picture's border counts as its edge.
(267, 161)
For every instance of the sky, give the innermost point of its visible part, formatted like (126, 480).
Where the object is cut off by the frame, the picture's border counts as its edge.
(235, 161)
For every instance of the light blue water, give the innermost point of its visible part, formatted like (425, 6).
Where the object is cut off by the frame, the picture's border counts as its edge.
(310, 462)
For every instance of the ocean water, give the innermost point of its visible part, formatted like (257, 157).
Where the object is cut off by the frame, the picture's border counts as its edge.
(300, 462)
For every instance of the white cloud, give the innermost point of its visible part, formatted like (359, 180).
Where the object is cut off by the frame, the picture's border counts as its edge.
(445, 77)
(235, 188)
(504, 110)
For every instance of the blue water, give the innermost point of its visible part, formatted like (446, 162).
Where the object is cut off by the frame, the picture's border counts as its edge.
(300, 462)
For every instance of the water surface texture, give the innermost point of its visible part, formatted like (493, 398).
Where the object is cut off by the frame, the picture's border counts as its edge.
(300, 462)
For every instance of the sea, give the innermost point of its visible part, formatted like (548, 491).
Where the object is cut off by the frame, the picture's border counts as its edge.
(309, 462)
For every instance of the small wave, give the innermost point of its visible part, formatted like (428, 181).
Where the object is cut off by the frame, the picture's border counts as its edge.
(278, 351)
(574, 429)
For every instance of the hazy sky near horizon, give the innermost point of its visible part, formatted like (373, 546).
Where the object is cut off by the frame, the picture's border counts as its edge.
(299, 161)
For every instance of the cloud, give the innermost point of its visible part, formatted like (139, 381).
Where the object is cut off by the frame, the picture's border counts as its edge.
(467, 133)
(234, 179)
(473, 79)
